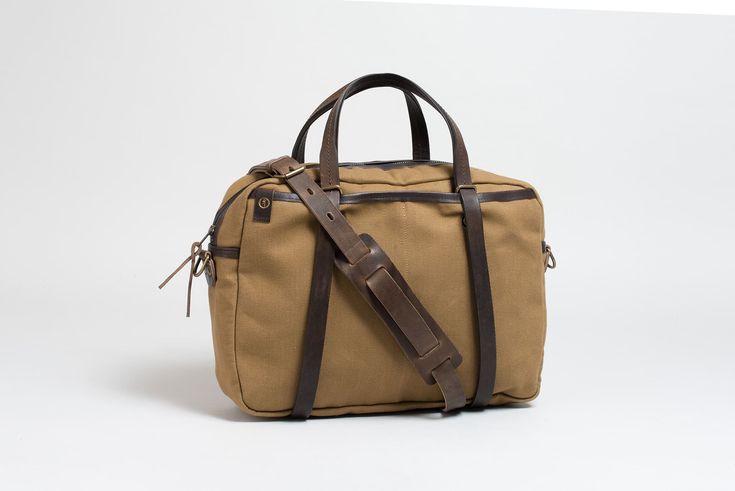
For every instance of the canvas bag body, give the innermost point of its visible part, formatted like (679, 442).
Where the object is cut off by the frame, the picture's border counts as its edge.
(259, 297)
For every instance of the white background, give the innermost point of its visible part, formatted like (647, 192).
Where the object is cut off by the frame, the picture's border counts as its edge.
(122, 124)
(715, 7)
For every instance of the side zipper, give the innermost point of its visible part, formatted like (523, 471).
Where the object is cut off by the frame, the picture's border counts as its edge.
(200, 260)
(220, 215)
(549, 259)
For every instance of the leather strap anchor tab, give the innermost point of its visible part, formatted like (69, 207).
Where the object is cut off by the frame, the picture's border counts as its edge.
(378, 280)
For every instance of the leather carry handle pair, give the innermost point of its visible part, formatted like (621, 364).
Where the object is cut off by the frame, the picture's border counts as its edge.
(419, 132)
(328, 160)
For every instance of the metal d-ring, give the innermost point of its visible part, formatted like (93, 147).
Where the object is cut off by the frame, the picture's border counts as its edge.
(201, 264)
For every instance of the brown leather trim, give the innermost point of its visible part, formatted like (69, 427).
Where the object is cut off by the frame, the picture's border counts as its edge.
(416, 196)
(316, 322)
(228, 252)
(263, 204)
(449, 384)
(484, 315)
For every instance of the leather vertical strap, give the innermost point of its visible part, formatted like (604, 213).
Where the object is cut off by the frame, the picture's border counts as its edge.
(321, 279)
(380, 283)
(316, 322)
(485, 319)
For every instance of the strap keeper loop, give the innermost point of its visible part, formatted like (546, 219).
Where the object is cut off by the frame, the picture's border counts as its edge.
(332, 188)
(465, 186)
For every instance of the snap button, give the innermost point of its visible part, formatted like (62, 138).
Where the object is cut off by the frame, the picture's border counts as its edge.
(264, 202)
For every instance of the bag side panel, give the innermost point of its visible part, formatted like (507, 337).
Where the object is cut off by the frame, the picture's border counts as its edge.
(223, 295)
(513, 236)
(274, 274)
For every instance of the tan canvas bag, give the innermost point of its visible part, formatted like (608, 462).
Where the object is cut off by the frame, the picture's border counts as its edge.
(373, 287)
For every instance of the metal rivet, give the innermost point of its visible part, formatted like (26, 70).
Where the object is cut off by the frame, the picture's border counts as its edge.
(264, 202)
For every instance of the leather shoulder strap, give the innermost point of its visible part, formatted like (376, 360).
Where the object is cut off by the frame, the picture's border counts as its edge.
(378, 280)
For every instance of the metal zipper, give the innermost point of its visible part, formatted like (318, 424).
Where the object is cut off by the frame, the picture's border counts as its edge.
(384, 163)
(220, 215)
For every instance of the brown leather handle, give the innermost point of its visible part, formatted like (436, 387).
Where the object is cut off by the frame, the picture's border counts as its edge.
(328, 169)
(419, 133)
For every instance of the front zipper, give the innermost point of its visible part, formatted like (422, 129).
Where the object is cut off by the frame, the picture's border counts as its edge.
(384, 163)
(220, 215)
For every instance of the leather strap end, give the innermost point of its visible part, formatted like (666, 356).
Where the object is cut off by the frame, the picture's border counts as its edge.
(450, 385)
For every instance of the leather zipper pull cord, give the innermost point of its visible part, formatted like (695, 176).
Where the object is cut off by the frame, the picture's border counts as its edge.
(198, 259)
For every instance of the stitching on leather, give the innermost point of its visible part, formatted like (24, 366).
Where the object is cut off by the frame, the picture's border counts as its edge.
(330, 177)
(404, 237)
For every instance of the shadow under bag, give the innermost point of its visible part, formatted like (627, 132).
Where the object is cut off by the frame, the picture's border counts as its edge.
(438, 296)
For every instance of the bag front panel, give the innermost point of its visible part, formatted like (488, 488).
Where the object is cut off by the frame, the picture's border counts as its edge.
(363, 365)
(274, 281)
(223, 296)
(363, 369)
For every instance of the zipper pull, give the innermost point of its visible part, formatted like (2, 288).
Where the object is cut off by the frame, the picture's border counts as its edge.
(549, 259)
(198, 260)
(195, 247)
